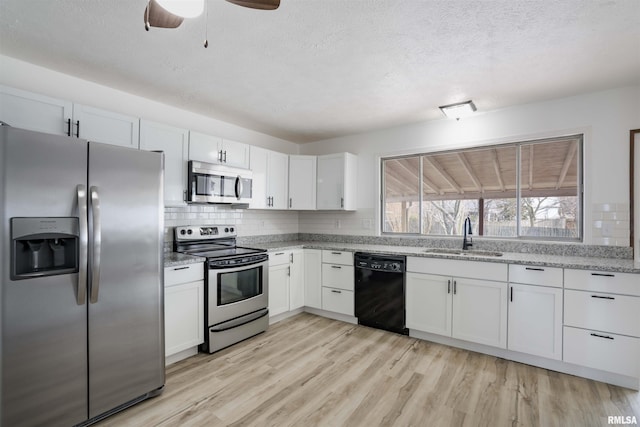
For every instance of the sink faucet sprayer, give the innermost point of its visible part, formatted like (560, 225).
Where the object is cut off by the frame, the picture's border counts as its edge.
(467, 232)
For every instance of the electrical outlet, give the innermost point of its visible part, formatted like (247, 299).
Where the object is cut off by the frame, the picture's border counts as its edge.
(338, 224)
(366, 224)
(607, 229)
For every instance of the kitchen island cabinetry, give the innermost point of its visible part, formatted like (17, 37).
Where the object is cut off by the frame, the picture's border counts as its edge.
(602, 321)
(337, 182)
(183, 310)
(213, 149)
(50, 115)
(174, 142)
(449, 304)
(535, 311)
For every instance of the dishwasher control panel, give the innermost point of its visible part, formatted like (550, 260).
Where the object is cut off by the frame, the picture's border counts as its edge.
(380, 263)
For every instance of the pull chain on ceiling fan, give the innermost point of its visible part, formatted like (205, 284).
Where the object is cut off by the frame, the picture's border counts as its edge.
(171, 13)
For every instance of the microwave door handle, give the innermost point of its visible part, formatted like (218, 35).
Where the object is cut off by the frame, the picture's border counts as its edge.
(239, 188)
(84, 244)
(96, 245)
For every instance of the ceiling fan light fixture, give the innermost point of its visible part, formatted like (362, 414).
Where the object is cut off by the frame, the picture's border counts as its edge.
(460, 109)
(183, 8)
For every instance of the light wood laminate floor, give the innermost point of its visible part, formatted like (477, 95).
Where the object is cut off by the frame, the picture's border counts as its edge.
(312, 371)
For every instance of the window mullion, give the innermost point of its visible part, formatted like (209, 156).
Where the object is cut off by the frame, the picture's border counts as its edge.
(420, 195)
(518, 190)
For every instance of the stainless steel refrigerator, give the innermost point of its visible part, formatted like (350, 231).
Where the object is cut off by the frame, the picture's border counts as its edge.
(81, 278)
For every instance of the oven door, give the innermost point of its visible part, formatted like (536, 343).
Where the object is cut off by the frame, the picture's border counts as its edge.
(237, 291)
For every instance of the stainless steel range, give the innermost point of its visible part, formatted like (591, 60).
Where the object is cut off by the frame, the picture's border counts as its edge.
(236, 284)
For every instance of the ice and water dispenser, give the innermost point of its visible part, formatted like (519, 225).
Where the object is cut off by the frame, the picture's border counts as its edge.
(43, 247)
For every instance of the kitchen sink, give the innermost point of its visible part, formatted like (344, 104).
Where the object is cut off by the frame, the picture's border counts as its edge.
(471, 252)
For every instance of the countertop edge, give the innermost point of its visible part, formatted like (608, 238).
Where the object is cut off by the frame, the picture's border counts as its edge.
(579, 263)
(173, 259)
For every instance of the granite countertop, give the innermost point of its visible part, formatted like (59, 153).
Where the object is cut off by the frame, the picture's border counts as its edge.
(172, 259)
(577, 262)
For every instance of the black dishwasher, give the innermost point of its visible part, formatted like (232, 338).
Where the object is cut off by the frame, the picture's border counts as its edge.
(380, 291)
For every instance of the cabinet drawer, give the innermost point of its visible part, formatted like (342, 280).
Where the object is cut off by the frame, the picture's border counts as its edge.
(618, 314)
(608, 352)
(602, 281)
(337, 257)
(534, 275)
(183, 274)
(337, 276)
(338, 300)
(279, 258)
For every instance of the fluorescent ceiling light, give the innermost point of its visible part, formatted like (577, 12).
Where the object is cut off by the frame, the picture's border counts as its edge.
(461, 109)
(183, 8)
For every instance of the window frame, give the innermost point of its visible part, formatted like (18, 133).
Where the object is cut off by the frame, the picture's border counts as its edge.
(580, 217)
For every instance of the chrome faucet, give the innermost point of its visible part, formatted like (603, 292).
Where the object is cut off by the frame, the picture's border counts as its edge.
(467, 232)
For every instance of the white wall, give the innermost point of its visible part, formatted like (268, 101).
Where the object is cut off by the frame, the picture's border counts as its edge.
(604, 117)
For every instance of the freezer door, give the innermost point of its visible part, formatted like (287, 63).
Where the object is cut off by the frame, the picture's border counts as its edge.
(126, 325)
(43, 372)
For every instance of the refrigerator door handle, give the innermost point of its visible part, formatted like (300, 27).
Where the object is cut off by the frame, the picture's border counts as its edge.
(84, 244)
(96, 245)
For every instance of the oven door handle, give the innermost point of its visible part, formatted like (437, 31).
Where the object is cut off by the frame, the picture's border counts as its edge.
(264, 263)
(239, 321)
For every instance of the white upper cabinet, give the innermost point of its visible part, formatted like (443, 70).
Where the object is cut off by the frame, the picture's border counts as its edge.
(35, 112)
(174, 142)
(107, 127)
(270, 179)
(302, 182)
(336, 182)
(213, 149)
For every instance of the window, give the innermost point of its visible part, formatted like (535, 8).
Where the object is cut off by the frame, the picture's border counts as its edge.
(529, 189)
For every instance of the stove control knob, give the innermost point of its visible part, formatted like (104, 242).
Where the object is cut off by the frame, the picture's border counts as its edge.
(183, 232)
(231, 229)
(189, 231)
(226, 229)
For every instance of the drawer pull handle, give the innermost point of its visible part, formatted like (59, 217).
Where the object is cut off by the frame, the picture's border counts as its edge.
(335, 266)
(336, 292)
(603, 274)
(601, 297)
(534, 269)
(280, 253)
(449, 286)
(336, 253)
(180, 268)
(602, 336)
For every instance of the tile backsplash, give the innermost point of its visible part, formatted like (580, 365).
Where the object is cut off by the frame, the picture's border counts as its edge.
(610, 224)
(248, 222)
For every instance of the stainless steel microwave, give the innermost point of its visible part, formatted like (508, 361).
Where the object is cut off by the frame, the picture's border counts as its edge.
(211, 183)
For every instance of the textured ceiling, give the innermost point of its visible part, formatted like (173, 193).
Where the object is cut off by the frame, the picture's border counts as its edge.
(315, 69)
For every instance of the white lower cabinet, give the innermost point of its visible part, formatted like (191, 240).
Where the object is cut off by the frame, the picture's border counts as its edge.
(279, 289)
(467, 309)
(313, 278)
(535, 320)
(338, 301)
(338, 282)
(183, 308)
(286, 281)
(429, 303)
(602, 321)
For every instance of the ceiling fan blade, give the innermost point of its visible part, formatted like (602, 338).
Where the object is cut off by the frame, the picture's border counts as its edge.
(156, 16)
(257, 4)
